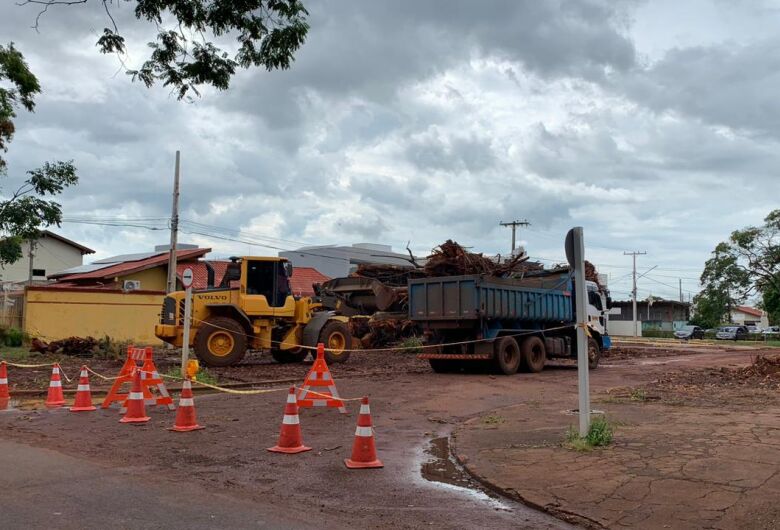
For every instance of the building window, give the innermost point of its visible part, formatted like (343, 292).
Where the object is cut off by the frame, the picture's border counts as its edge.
(39, 272)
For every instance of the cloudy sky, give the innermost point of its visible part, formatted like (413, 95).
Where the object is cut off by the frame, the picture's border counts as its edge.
(654, 125)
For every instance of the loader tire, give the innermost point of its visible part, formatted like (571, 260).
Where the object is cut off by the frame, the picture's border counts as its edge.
(533, 354)
(220, 341)
(289, 356)
(506, 355)
(336, 337)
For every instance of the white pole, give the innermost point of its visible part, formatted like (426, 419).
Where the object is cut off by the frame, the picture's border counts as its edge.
(581, 297)
(185, 347)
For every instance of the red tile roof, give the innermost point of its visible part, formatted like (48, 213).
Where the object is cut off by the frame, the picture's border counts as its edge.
(301, 283)
(749, 310)
(129, 267)
(304, 278)
(200, 273)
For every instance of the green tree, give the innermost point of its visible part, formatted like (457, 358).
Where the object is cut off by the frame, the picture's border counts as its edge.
(771, 304)
(745, 265)
(267, 34)
(710, 308)
(25, 211)
(725, 283)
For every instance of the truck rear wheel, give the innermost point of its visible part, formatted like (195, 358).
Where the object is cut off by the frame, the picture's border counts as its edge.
(506, 354)
(594, 353)
(336, 337)
(533, 354)
(220, 341)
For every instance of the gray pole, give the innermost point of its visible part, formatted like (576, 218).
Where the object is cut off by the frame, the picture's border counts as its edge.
(633, 291)
(171, 286)
(581, 298)
(514, 225)
(681, 295)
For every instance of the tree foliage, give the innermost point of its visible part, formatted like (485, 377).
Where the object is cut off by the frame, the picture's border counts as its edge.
(24, 212)
(747, 264)
(267, 34)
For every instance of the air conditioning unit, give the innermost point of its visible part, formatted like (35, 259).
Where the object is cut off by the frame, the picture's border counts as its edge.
(131, 285)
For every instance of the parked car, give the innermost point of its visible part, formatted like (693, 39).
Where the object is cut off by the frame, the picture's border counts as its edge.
(754, 329)
(772, 330)
(689, 332)
(732, 333)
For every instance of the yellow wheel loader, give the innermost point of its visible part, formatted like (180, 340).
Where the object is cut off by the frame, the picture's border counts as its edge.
(253, 308)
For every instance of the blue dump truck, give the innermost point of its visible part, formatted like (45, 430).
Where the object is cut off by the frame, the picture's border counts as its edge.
(516, 324)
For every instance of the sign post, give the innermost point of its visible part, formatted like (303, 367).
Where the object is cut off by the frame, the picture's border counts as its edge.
(575, 254)
(186, 281)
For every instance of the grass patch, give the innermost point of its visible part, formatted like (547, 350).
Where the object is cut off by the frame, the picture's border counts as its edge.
(18, 353)
(412, 345)
(204, 376)
(600, 434)
(493, 419)
(638, 394)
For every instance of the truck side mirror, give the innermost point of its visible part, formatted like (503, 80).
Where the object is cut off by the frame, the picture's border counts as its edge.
(609, 302)
(288, 268)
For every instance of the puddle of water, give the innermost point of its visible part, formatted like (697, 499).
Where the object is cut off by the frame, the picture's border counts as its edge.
(442, 468)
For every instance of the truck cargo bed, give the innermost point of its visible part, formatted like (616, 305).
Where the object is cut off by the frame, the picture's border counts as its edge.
(458, 298)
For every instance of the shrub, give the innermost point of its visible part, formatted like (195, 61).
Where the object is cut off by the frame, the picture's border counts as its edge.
(599, 435)
(13, 337)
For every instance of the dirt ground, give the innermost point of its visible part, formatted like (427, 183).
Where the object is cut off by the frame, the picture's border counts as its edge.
(685, 454)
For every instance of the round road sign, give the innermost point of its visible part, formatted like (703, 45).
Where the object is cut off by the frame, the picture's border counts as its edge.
(186, 278)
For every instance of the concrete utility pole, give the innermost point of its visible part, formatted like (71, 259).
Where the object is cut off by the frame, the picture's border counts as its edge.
(171, 286)
(31, 255)
(575, 254)
(681, 295)
(514, 225)
(633, 291)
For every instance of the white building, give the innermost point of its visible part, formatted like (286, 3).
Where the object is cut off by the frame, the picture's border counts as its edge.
(51, 253)
(338, 261)
(749, 316)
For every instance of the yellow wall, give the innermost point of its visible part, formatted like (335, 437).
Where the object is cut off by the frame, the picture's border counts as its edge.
(151, 279)
(59, 313)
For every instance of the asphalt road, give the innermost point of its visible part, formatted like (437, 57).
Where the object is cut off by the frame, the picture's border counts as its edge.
(42, 488)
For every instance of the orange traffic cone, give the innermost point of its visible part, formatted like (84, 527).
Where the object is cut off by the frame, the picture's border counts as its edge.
(55, 398)
(290, 439)
(185, 414)
(363, 450)
(136, 413)
(83, 394)
(4, 381)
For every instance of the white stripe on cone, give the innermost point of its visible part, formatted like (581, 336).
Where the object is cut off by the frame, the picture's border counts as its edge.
(290, 419)
(83, 388)
(291, 398)
(55, 383)
(365, 409)
(186, 402)
(84, 373)
(3, 381)
(55, 370)
(365, 432)
(136, 395)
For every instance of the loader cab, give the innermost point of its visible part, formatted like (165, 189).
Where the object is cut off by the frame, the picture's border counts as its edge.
(265, 286)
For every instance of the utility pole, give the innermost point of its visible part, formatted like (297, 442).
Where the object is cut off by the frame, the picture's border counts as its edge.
(633, 291)
(681, 295)
(575, 255)
(31, 255)
(514, 225)
(174, 230)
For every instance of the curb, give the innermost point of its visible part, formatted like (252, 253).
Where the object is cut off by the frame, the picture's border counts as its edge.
(511, 493)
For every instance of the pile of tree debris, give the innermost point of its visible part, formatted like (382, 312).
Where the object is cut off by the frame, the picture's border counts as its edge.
(451, 259)
(378, 332)
(75, 346)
